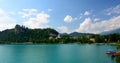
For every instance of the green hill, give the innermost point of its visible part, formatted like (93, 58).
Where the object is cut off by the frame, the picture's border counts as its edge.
(21, 34)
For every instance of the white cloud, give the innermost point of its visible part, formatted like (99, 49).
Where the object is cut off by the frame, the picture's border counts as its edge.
(85, 25)
(35, 19)
(28, 12)
(80, 17)
(40, 21)
(49, 10)
(86, 13)
(63, 29)
(88, 26)
(68, 19)
(6, 22)
(96, 19)
(12, 13)
(113, 10)
(74, 19)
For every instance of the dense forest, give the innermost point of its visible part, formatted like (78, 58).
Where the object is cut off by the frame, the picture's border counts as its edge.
(22, 34)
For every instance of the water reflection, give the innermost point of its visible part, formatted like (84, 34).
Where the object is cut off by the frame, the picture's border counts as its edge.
(55, 53)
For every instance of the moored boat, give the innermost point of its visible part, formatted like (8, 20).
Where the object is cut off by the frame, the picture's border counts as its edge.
(113, 53)
(110, 51)
(116, 54)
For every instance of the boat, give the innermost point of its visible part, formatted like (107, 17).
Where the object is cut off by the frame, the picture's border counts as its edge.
(113, 53)
(110, 51)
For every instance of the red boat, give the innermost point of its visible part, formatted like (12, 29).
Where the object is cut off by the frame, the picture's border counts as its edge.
(110, 51)
(116, 54)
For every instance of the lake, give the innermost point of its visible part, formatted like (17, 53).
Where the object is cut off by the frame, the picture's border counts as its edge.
(56, 53)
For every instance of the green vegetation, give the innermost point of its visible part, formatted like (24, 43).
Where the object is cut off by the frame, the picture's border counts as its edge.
(22, 34)
(118, 57)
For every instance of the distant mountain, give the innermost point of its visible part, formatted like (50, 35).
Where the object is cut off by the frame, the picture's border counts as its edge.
(80, 34)
(63, 34)
(76, 34)
(111, 32)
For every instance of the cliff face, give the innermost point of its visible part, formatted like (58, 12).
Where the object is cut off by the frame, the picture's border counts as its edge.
(20, 29)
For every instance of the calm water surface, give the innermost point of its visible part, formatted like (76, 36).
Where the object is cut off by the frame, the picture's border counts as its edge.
(56, 53)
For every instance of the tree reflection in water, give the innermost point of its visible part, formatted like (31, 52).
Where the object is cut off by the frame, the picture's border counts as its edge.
(118, 57)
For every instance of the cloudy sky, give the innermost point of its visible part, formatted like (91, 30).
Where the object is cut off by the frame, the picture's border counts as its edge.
(65, 16)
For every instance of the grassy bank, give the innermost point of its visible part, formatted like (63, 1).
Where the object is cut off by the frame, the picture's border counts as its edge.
(118, 57)
(118, 46)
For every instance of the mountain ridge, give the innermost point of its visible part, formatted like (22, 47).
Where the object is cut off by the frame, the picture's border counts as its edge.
(111, 32)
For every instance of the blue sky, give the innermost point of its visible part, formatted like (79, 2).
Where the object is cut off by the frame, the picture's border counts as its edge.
(65, 16)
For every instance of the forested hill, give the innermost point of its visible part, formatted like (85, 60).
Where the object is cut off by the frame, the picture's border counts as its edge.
(23, 34)
(76, 34)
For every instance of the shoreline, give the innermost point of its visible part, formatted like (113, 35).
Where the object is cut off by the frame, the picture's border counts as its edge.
(30, 43)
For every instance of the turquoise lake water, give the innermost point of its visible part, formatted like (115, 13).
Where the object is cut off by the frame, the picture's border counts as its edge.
(56, 53)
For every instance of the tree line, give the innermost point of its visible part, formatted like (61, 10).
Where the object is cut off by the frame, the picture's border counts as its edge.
(22, 34)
